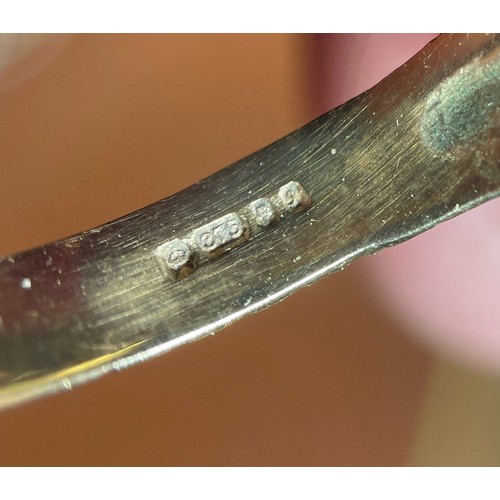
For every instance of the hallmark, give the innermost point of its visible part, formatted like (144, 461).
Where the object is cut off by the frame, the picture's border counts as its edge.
(177, 259)
(180, 257)
(221, 235)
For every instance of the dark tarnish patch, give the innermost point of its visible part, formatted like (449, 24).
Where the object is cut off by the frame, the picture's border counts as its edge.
(465, 107)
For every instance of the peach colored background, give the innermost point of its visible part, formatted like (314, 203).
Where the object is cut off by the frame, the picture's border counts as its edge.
(115, 122)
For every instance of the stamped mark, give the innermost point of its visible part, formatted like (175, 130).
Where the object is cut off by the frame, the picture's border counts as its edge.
(221, 235)
(177, 259)
(263, 211)
(180, 257)
(293, 197)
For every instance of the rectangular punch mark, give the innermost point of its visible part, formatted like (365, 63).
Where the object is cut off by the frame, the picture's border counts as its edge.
(222, 234)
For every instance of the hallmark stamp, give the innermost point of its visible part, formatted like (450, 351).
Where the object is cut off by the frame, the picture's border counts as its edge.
(176, 259)
(263, 211)
(179, 257)
(294, 197)
(222, 234)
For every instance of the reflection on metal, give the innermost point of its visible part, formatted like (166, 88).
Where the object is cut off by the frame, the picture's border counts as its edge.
(419, 148)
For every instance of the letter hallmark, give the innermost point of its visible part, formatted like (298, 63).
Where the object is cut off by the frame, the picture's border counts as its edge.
(263, 212)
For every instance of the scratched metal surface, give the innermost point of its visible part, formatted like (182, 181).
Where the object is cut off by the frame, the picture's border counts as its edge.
(417, 149)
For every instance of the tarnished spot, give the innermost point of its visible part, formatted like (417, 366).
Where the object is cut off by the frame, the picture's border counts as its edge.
(464, 106)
